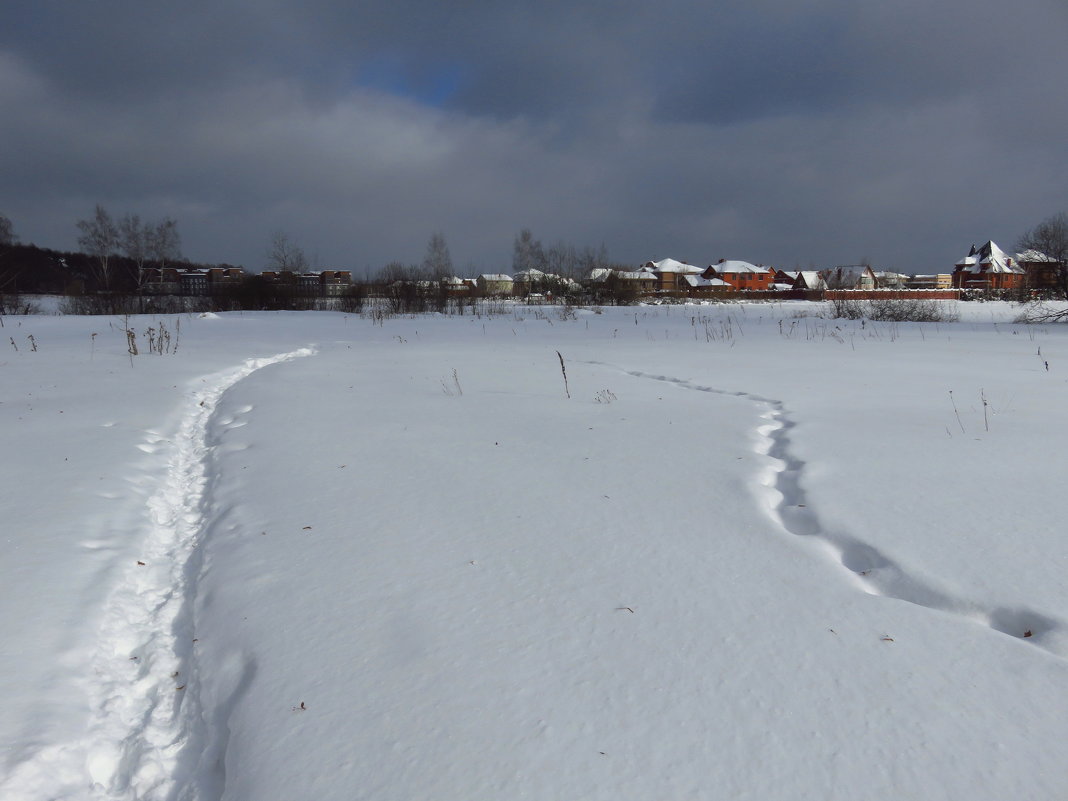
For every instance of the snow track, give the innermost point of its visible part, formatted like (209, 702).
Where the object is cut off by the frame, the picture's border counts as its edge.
(140, 681)
(867, 567)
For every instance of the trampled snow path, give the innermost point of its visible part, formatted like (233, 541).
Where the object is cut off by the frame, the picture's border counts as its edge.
(139, 681)
(867, 567)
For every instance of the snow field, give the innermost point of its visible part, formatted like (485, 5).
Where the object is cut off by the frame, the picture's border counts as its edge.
(774, 565)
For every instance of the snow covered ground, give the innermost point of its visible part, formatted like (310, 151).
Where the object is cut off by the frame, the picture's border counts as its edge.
(755, 555)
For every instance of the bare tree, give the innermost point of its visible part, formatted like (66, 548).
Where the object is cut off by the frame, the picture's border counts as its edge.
(399, 271)
(7, 232)
(561, 259)
(283, 254)
(162, 242)
(9, 273)
(437, 263)
(590, 259)
(133, 240)
(528, 253)
(1050, 237)
(100, 238)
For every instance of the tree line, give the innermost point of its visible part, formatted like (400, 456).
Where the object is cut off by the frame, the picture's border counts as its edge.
(115, 254)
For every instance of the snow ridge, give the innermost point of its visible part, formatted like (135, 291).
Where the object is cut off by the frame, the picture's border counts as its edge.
(867, 567)
(140, 680)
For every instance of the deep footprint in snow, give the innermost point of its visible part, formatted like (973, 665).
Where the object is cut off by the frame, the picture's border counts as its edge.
(873, 571)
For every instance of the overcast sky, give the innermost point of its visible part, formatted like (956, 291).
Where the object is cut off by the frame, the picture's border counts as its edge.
(774, 131)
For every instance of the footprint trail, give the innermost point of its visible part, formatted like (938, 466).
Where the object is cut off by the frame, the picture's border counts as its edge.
(140, 682)
(864, 565)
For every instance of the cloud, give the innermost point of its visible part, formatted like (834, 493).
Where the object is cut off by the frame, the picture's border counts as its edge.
(770, 131)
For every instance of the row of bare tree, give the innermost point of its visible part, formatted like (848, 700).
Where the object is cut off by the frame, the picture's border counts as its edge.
(141, 242)
(144, 242)
(561, 259)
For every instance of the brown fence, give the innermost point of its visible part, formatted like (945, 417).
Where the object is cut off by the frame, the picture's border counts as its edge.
(891, 294)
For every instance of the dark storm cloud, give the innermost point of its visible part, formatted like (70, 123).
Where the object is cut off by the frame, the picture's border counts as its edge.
(773, 131)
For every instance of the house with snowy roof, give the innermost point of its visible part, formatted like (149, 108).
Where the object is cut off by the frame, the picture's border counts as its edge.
(1042, 271)
(809, 279)
(988, 267)
(741, 274)
(700, 286)
(668, 272)
(645, 281)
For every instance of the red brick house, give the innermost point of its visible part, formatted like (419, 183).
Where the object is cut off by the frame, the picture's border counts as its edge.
(741, 274)
(988, 268)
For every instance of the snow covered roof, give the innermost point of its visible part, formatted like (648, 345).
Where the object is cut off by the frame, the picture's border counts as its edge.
(532, 274)
(736, 266)
(636, 275)
(673, 266)
(1032, 256)
(812, 279)
(495, 277)
(698, 281)
(599, 274)
(988, 258)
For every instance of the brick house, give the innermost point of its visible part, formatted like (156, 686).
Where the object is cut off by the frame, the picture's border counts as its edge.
(741, 274)
(668, 272)
(1041, 271)
(988, 268)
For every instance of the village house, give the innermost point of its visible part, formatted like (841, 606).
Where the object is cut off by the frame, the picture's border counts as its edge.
(809, 279)
(741, 274)
(645, 282)
(668, 272)
(1041, 271)
(699, 286)
(933, 281)
(988, 268)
